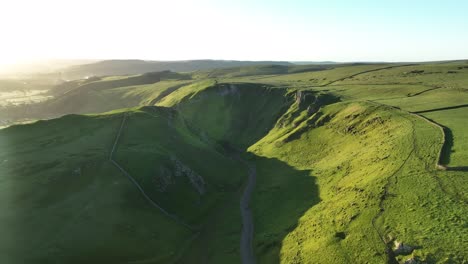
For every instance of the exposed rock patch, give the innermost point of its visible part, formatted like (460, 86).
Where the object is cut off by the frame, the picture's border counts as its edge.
(167, 176)
(402, 249)
(312, 102)
(304, 98)
(77, 171)
(413, 261)
(228, 89)
(195, 179)
(163, 179)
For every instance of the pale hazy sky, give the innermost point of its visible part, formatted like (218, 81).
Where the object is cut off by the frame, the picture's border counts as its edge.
(307, 30)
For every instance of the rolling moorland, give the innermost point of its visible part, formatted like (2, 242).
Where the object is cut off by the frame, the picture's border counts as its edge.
(323, 163)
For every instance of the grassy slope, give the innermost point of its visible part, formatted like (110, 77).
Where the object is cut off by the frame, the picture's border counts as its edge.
(318, 78)
(148, 148)
(420, 88)
(63, 201)
(445, 85)
(348, 190)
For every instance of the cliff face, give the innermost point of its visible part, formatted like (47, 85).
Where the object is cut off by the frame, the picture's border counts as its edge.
(313, 101)
(237, 113)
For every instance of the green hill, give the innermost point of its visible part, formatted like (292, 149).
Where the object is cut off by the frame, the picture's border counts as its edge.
(131, 67)
(65, 201)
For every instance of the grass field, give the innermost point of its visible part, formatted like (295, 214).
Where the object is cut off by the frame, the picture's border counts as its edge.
(346, 159)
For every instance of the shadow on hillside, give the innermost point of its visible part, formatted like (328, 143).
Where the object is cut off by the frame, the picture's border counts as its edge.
(282, 195)
(459, 168)
(447, 146)
(446, 151)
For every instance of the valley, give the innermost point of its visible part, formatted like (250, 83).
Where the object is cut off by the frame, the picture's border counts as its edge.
(327, 163)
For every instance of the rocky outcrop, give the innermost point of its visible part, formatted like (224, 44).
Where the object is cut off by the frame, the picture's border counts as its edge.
(168, 174)
(305, 98)
(312, 101)
(163, 179)
(195, 179)
(402, 249)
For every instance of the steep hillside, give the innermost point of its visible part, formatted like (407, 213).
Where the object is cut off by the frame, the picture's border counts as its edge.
(372, 168)
(235, 113)
(65, 200)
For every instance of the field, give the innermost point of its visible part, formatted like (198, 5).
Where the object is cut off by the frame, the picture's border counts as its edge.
(355, 163)
(456, 121)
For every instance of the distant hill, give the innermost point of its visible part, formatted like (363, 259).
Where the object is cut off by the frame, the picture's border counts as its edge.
(270, 69)
(130, 67)
(314, 62)
(18, 70)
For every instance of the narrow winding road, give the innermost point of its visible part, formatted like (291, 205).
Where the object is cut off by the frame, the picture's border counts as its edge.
(246, 250)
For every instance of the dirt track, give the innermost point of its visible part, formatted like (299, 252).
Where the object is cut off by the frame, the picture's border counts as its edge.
(247, 255)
